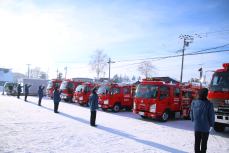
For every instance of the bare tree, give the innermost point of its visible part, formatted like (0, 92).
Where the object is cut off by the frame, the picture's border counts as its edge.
(37, 73)
(98, 62)
(146, 68)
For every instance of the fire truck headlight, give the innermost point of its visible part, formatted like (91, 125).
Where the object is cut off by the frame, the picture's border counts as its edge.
(152, 108)
(106, 102)
(81, 98)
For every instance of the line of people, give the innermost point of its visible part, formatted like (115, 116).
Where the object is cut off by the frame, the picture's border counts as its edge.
(93, 100)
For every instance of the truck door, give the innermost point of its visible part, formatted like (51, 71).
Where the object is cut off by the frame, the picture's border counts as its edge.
(164, 99)
(127, 98)
(115, 96)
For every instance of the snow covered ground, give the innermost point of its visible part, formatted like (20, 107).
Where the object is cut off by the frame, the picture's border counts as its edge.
(25, 127)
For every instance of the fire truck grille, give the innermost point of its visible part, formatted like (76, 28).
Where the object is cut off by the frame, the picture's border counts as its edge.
(224, 110)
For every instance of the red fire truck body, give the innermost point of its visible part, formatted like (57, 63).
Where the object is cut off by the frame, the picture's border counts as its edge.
(68, 87)
(83, 92)
(219, 95)
(160, 100)
(115, 97)
(51, 85)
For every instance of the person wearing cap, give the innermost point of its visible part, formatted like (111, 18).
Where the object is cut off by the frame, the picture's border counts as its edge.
(93, 103)
(203, 116)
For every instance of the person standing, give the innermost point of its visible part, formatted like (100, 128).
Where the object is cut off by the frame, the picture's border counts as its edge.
(93, 103)
(18, 90)
(40, 94)
(56, 99)
(203, 116)
(26, 91)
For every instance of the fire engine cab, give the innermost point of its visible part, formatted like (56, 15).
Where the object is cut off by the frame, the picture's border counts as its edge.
(115, 97)
(82, 93)
(67, 89)
(51, 85)
(161, 100)
(219, 95)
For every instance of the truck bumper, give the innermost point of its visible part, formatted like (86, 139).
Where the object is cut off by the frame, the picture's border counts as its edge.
(222, 119)
(147, 114)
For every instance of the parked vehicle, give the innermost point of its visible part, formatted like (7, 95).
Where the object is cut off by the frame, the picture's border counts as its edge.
(35, 83)
(68, 87)
(219, 96)
(51, 86)
(115, 97)
(82, 93)
(161, 100)
(10, 88)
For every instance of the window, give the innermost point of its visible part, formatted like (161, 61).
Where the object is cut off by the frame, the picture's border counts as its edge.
(146, 91)
(164, 92)
(126, 90)
(115, 91)
(176, 92)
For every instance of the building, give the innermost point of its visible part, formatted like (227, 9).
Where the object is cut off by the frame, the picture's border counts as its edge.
(6, 75)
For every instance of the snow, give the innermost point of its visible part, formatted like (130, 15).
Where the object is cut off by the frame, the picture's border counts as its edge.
(26, 127)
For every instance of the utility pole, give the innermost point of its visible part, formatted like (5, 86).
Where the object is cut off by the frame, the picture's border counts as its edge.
(28, 69)
(66, 68)
(109, 62)
(187, 40)
(57, 74)
(201, 74)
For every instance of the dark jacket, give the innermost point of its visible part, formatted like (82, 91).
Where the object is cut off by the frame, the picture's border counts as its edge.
(27, 89)
(56, 96)
(19, 88)
(202, 114)
(40, 91)
(93, 101)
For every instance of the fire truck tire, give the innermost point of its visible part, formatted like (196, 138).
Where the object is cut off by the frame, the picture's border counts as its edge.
(116, 107)
(219, 127)
(165, 116)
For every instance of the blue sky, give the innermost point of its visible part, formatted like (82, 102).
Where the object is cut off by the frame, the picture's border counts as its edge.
(55, 34)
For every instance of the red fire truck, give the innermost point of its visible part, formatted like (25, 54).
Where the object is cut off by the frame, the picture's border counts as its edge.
(82, 93)
(51, 85)
(160, 100)
(219, 95)
(68, 87)
(188, 93)
(115, 97)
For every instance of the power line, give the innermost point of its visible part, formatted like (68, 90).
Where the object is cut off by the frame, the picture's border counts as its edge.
(156, 58)
(173, 56)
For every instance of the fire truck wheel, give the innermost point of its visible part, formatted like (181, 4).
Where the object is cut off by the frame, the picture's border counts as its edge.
(116, 108)
(219, 127)
(165, 116)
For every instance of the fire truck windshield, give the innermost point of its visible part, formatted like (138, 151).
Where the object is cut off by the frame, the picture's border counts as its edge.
(80, 88)
(65, 85)
(103, 89)
(146, 91)
(50, 85)
(220, 81)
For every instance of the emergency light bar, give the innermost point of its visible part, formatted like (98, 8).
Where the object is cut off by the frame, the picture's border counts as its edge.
(226, 66)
